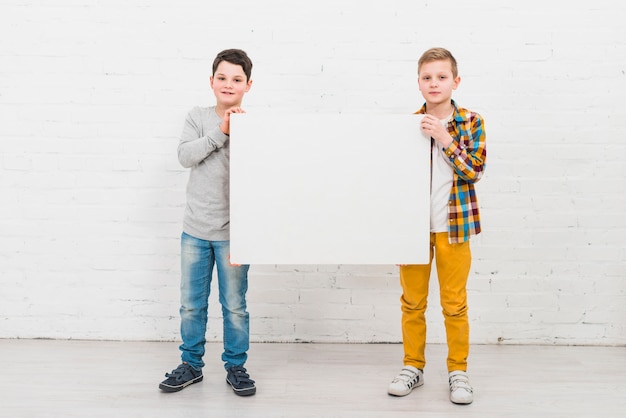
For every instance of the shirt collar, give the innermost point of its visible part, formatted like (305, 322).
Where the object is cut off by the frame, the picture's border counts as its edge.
(459, 115)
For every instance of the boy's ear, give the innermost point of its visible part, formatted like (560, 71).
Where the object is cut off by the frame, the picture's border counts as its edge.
(211, 81)
(249, 84)
(457, 81)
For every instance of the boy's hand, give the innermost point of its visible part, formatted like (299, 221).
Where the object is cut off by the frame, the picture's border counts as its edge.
(225, 126)
(432, 127)
(229, 263)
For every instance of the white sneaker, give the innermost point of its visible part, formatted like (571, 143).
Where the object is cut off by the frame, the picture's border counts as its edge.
(461, 391)
(409, 377)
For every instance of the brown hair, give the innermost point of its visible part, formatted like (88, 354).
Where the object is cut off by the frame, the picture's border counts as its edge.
(237, 57)
(436, 54)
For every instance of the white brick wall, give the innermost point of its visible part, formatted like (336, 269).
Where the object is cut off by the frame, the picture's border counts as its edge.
(93, 95)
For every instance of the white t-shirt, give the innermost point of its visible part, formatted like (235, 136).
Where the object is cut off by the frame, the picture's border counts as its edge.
(441, 184)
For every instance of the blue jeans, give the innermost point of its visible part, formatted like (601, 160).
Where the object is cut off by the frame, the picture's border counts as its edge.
(197, 260)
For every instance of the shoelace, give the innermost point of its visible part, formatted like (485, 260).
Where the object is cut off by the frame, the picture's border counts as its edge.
(240, 375)
(460, 381)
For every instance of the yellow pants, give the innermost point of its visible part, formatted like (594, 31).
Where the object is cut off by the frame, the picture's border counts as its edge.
(453, 265)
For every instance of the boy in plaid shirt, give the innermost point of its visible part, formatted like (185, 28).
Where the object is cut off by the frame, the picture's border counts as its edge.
(458, 157)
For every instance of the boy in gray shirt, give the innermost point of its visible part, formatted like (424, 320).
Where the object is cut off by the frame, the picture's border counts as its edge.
(204, 148)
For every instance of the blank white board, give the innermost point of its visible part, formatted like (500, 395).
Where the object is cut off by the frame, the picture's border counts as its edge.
(329, 189)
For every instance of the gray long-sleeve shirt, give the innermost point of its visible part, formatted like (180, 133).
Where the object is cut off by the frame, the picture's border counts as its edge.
(204, 148)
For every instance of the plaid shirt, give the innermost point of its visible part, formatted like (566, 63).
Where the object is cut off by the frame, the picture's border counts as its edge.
(467, 154)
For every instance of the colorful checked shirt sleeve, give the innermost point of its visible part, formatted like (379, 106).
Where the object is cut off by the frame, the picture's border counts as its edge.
(467, 155)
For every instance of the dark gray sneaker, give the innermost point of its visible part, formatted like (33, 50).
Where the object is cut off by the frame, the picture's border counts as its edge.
(181, 377)
(240, 381)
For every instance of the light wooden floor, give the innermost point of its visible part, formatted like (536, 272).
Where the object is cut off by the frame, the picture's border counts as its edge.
(49, 378)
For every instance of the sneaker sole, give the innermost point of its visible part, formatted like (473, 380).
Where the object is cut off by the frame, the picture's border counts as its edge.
(169, 389)
(462, 402)
(393, 393)
(242, 392)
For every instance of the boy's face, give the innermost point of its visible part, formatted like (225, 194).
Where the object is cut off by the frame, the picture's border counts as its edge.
(436, 81)
(229, 84)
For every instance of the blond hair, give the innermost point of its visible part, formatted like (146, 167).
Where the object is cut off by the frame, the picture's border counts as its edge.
(437, 54)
